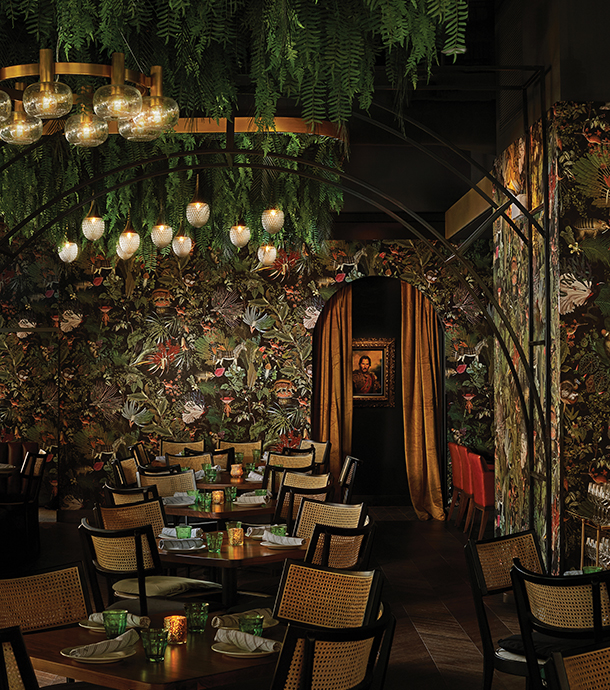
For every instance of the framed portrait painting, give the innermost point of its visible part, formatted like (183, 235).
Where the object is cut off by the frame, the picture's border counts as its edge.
(373, 372)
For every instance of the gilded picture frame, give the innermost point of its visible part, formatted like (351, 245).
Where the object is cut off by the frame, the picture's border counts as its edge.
(373, 381)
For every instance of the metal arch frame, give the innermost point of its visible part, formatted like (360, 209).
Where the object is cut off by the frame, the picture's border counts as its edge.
(456, 255)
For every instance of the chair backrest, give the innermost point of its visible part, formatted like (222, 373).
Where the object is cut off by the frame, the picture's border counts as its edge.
(140, 454)
(192, 462)
(583, 670)
(246, 448)
(169, 484)
(335, 659)
(347, 477)
(276, 464)
(322, 452)
(483, 485)
(134, 515)
(312, 513)
(117, 554)
(456, 465)
(340, 547)
(325, 597)
(294, 488)
(175, 447)
(569, 608)
(114, 496)
(462, 452)
(16, 670)
(125, 471)
(49, 598)
(32, 472)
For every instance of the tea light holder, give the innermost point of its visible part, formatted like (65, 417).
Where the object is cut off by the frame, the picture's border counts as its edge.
(176, 628)
(237, 470)
(218, 497)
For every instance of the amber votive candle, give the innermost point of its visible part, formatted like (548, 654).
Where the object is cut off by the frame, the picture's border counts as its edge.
(218, 497)
(176, 628)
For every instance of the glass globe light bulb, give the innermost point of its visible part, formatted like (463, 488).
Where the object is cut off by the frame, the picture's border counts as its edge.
(198, 213)
(86, 129)
(117, 102)
(161, 235)
(267, 254)
(160, 112)
(123, 255)
(5, 106)
(20, 128)
(273, 220)
(129, 241)
(93, 227)
(47, 99)
(68, 252)
(138, 129)
(240, 235)
(182, 245)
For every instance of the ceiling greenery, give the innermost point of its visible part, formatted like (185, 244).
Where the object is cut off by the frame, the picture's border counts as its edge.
(323, 56)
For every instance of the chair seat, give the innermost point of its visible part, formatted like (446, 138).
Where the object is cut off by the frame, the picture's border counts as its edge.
(163, 586)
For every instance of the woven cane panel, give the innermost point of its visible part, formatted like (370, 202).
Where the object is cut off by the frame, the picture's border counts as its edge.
(192, 462)
(36, 602)
(125, 517)
(330, 600)
(343, 552)
(119, 554)
(297, 502)
(168, 484)
(176, 447)
(306, 481)
(566, 607)
(327, 514)
(245, 448)
(130, 470)
(319, 447)
(289, 461)
(589, 671)
(124, 499)
(336, 665)
(15, 682)
(497, 559)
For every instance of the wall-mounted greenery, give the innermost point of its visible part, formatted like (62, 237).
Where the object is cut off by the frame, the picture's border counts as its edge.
(322, 54)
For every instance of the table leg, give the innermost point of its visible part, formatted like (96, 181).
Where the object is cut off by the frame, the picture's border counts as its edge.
(229, 586)
(582, 544)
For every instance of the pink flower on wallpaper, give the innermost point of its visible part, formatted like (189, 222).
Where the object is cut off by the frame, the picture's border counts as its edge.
(98, 280)
(340, 277)
(461, 368)
(220, 371)
(98, 466)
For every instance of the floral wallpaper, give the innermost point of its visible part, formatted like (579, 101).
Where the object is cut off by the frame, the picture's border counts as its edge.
(201, 347)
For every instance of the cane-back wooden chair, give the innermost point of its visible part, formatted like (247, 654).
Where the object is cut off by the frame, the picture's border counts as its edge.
(295, 486)
(583, 670)
(169, 484)
(341, 547)
(134, 515)
(322, 449)
(246, 448)
(177, 447)
(312, 513)
(114, 496)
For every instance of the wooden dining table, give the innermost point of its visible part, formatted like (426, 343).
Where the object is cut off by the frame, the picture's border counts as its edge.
(190, 666)
(224, 479)
(222, 511)
(231, 558)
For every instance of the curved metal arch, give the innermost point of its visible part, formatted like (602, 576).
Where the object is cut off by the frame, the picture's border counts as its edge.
(434, 249)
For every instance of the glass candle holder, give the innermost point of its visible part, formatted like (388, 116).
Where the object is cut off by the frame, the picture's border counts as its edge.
(237, 470)
(176, 629)
(235, 533)
(218, 497)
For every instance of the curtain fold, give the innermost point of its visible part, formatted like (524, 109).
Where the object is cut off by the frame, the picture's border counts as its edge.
(420, 403)
(332, 406)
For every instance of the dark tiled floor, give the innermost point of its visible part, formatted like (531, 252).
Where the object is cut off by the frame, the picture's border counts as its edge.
(437, 643)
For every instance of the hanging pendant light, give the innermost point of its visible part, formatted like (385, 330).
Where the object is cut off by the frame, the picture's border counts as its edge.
(86, 129)
(161, 112)
(48, 98)
(161, 234)
(68, 252)
(20, 128)
(5, 106)
(121, 254)
(273, 220)
(267, 254)
(240, 234)
(117, 100)
(181, 244)
(93, 224)
(129, 240)
(198, 211)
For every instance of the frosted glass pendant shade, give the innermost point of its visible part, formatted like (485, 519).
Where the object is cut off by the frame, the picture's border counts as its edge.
(68, 252)
(160, 113)
(273, 220)
(117, 102)
(47, 99)
(240, 235)
(267, 254)
(5, 105)
(93, 227)
(161, 235)
(129, 241)
(20, 128)
(86, 129)
(121, 254)
(182, 245)
(198, 213)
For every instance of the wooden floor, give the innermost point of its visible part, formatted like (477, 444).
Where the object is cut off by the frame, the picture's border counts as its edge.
(437, 642)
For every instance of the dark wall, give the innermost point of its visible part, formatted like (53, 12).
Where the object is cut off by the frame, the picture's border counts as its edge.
(377, 435)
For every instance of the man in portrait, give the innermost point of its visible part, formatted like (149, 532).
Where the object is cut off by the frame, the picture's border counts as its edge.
(364, 380)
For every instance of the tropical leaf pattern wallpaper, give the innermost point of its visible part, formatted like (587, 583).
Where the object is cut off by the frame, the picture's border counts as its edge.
(201, 347)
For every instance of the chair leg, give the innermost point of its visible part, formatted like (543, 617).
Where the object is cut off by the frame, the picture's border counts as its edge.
(484, 516)
(454, 498)
(464, 504)
(469, 516)
(488, 674)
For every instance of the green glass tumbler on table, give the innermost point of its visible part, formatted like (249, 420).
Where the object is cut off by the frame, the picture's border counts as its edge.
(206, 501)
(214, 541)
(239, 458)
(230, 494)
(154, 641)
(196, 616)
(183, 531)
(278, 530)
(115, 622)
(251, 623)
(256, 456)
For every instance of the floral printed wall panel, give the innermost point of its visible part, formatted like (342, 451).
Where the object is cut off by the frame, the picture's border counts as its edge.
(201, 347)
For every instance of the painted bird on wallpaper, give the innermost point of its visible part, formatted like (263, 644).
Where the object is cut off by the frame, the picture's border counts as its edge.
(573, 292)
(257, 321)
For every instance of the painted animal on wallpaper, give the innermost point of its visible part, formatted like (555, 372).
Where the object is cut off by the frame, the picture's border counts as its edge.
(462, 351)
(573, 292)
(569, 392)
(590, 228)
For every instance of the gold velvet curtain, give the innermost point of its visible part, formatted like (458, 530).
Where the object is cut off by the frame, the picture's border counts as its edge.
(332, 406)
(420, 404)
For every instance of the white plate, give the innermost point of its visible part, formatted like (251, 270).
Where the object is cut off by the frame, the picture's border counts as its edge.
(193, 548)
(250, 503)
(271, 545)
(232, 650)
(257, 537)
(254, 480)
(97, 627)
(109, 658)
